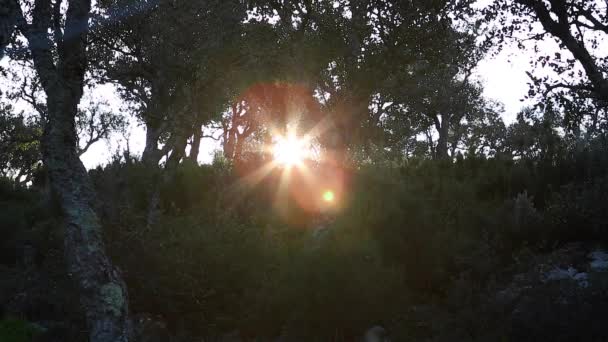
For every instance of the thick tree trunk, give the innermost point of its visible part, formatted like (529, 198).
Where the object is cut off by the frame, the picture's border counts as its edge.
(196, 146)
(441, 152)
(229, 144)
(61, 68)
(103, 293)
(151, 156)
(178, 152)
(238, 149)
(162, 176)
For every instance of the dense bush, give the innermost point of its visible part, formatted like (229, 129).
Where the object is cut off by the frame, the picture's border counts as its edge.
(417, 248)
(223, 258)
(579, 211)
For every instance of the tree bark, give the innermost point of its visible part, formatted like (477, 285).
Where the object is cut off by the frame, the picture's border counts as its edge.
(196, 145)
(161, 176)
(229, 141)
(151, 156)
(61, 69)
(103, 293)
(178, 151)
(441, 152)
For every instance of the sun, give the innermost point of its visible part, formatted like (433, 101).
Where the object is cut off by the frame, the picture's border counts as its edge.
(290, 150)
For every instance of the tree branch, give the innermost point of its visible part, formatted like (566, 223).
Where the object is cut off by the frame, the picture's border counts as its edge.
(39, 43)
(73, 49)
(575, 87)
(58, 34)
(587, 14)
(561, 30)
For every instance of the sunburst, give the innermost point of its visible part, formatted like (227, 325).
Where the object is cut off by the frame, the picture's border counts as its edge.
(296, 156)
(291, 150)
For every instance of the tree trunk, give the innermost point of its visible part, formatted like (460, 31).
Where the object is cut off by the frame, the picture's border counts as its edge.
(178, 151)
(429, 142)
(229, 144)
(441, 152)
(103, 294)
(238, 148)
(151, 156)
(196, 145)
(162, 176)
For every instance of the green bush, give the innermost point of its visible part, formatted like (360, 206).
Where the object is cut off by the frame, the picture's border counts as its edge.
(222, 258)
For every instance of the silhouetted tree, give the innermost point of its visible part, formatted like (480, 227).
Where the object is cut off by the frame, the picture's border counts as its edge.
(57, 43)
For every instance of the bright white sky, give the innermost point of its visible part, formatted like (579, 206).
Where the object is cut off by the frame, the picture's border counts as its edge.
(505, 80)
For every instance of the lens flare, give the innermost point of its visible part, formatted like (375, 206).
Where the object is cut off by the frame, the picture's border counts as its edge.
(290, 150)
(328, 196)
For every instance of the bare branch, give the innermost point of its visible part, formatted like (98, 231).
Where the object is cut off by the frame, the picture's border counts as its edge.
(210, 136)
(587, 14)
(575, 87)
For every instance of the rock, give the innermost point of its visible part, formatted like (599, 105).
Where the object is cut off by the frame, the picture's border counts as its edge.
(571, 273)
(559, 274)
(376, 334)
(582, 279)
(560, 297)
(599, 261)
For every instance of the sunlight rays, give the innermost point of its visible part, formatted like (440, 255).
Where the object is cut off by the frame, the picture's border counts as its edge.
(293, 165)
(290, 150)
(257, 176)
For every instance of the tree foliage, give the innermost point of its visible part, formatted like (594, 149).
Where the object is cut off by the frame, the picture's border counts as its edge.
(578, 80)
(436, 202)
(19, 145)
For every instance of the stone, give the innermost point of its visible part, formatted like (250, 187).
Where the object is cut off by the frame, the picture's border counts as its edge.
(556, 274)
(559, 274)
(376, 334)
(599, 261)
